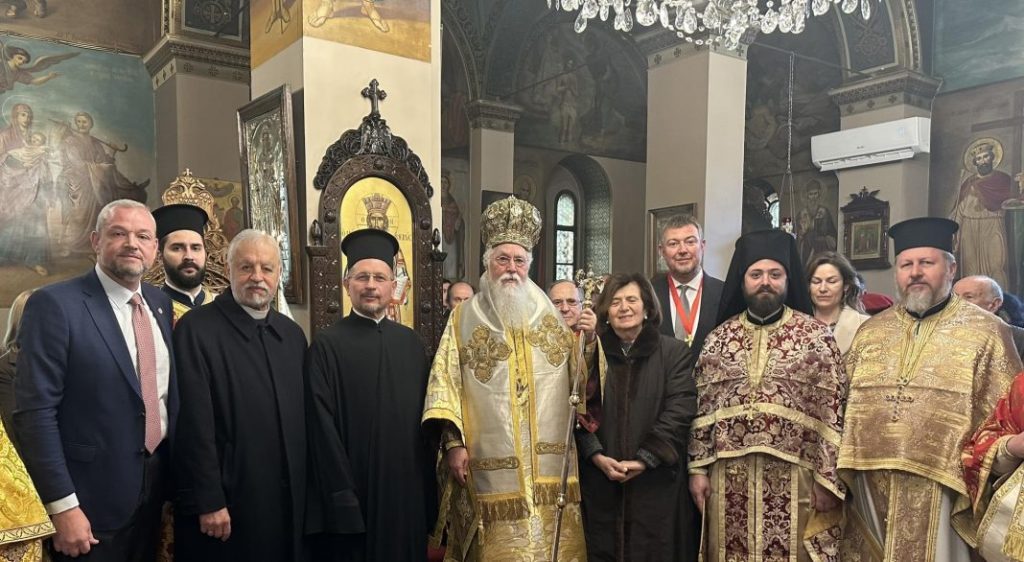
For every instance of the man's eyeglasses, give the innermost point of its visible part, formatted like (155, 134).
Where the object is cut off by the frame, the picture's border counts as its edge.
(503, 261)
(366, 277)
(573, 303)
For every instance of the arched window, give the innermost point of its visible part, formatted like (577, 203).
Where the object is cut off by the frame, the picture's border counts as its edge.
(566, 230)
(773, 209)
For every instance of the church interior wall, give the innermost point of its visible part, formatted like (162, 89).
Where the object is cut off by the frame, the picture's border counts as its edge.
(974, 52)
(332, 100)
(206, 137)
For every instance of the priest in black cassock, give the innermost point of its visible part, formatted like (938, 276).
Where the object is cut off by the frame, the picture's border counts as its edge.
(182, 252)
(240, 450)
(366, 380)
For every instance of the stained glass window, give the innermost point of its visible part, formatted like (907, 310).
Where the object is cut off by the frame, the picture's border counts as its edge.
(565, 210)
(565, 235)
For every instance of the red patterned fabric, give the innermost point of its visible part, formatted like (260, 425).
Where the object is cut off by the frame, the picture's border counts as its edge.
(803, 379)
(1006, 419)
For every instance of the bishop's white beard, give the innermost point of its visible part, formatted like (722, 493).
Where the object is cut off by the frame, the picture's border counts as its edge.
(511, 301)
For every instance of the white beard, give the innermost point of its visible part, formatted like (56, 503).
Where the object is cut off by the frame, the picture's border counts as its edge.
(512, 302)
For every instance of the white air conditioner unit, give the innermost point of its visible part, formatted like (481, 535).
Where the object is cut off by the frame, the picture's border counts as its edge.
(874, 144)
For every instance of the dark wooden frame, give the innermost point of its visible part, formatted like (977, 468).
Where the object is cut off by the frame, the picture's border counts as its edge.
(372, 151)
(280, 101)
(864, 207)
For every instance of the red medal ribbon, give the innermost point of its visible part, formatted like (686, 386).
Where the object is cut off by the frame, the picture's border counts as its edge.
(687, 319)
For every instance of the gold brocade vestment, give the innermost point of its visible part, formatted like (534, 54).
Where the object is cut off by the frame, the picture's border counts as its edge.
(179, 308)
(768, 426)
(23, 521)
(918, 388)
(507, 392)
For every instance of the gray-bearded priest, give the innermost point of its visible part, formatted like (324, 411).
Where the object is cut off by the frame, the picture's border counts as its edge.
(366, 378)
(240, 452)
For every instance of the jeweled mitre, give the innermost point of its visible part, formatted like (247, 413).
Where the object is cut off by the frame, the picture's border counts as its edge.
(511, 220)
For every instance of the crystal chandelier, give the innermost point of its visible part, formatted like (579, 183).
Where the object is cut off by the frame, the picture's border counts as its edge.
(711, 22)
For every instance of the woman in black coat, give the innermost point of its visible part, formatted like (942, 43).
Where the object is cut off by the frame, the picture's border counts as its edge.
(633, 440)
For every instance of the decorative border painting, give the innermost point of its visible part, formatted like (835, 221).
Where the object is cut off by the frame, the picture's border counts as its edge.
(656, 219)
(266, 141)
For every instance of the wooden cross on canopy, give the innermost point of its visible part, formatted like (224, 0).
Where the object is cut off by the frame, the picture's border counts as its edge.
(375, 95)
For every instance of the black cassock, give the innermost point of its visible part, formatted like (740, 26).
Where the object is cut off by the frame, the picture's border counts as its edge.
(241, 440)
(370, 474)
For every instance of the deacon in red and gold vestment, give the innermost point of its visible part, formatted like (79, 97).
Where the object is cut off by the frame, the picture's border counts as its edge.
(499, 394)
(923, 375)
(771, 384)
(995, 477)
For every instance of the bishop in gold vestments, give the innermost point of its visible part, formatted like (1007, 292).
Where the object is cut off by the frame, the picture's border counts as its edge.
(923, 375)
(499, 390)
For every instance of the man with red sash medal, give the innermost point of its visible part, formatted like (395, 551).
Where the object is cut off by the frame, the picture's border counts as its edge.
(689, 297)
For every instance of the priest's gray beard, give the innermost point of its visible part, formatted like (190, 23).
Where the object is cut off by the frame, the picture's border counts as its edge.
(920, 300)
(511, 300)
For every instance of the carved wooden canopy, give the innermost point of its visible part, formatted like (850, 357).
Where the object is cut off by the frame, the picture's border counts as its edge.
(373, 151)
(187, 189)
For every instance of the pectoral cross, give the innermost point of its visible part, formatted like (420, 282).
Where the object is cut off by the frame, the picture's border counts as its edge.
(375, 95)
(896, 400)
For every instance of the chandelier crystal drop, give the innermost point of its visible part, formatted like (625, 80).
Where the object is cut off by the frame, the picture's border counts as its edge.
(713, 22)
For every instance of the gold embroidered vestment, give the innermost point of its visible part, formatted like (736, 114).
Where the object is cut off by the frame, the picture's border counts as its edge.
(506, 391)
(918, 388)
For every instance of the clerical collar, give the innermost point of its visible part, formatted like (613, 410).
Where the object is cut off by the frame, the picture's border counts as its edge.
(256, 314)
(191, 298)
(770, 319)
(361, 315)
(932, 310)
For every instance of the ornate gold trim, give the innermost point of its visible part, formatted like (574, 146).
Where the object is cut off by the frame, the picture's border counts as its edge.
(546, 448)
(917, 469)
(818, 426)
(494, 463)
(27, 532)
(725, 455)
(546, 493)
(503, 509)
(552, 339)
(483, 352)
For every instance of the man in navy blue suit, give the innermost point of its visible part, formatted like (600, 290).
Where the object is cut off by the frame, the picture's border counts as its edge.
(96, 396)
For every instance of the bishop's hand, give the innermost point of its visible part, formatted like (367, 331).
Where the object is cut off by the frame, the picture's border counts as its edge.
(458, 463)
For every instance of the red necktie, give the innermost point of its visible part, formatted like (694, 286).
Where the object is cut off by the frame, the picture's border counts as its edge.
(146, 366)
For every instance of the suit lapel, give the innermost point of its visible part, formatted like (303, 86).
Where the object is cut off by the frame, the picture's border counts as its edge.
(98, 304)
(708, 307)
